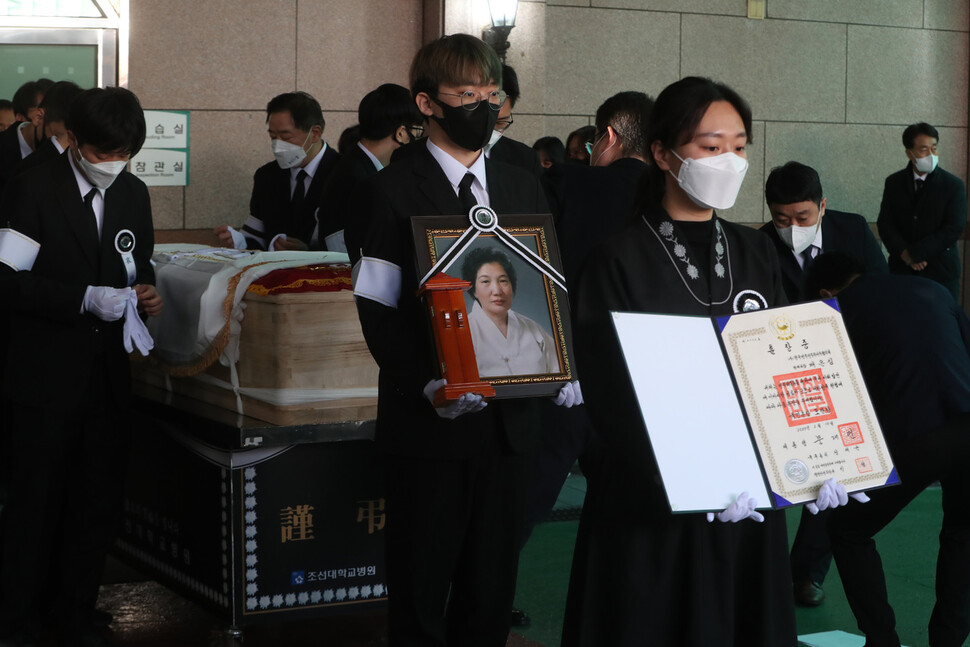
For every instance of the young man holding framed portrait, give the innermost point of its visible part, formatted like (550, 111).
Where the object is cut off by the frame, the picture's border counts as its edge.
(456, 474)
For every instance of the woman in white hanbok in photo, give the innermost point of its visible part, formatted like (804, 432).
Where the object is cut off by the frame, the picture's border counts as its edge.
(506, 343)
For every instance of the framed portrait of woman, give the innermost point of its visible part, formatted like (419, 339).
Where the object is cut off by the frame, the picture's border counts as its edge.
(517, 307)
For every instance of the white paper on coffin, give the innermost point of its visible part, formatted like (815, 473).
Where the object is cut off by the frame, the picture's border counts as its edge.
(190, 325)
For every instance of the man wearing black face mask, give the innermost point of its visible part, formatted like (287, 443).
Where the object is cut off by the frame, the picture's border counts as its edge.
(456, 474)
(388, 120)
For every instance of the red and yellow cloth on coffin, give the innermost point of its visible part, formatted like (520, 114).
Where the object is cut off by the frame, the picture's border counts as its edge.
(311, 278)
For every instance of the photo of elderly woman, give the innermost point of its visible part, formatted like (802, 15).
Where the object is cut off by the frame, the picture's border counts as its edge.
(506, 342)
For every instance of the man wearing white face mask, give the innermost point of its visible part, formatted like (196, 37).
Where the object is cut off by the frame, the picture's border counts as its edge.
(286, 192)
(923, 213)
(74, 273)
(802, 227)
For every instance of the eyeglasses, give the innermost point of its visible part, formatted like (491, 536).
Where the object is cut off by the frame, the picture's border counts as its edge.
(417, 132)
(503, 124)
(470, 99)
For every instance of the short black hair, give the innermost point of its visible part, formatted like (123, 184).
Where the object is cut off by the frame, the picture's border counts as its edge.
(304, 109)
(678, 111)
(110, 119)
(510, 83)
(26, 97)
(831, 271)
(454, 60)
(915, 130)
(627, 112)
(583, 133)
(791, 183)
(481, 256)
(348, 138)
(552, 147)
(57, 100)
(383, 110)
(6, 104)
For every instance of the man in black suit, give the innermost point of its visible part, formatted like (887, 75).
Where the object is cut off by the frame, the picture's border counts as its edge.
(74, 270)
(802, 227)
(388, 119)
(286, 193)
(591, 202)
(454, 473)
(19, 140)
(499, 147)
(56, 103)
(923, 213)
(912, 341)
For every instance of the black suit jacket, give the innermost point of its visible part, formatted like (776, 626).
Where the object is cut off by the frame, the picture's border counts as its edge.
(399, 338)
(338, 194)
(516, 153)
(41, 155)
(52, 337)
(589, 203)
(928, 224)
(270, 201)
(846, 233)
(913, 344)
(10, 157)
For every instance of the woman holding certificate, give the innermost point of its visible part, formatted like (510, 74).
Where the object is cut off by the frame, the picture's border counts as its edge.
(642, 575)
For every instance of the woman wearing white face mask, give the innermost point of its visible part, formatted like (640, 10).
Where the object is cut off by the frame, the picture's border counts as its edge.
(639, 570)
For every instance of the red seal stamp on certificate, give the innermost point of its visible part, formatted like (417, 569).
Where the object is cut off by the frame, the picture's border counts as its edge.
(863, 464)
(805, 397)
(851, 434)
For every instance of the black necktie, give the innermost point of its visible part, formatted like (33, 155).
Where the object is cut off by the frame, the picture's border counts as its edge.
(465, 195)
(89, 206)
(299, 193)
(919, 185)
(808, 258)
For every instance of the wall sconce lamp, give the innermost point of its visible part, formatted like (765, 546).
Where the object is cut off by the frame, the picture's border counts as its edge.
(503, 20)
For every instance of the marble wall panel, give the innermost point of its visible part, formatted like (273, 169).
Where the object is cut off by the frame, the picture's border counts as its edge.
(168, 206)
(899, 76)
(895, 13)
(854, 160)
(718, 7)
(595, 53)
(794, 71)
(227, 148)
(336, 123)
(346, 49)
(216, 55)
(946, 14)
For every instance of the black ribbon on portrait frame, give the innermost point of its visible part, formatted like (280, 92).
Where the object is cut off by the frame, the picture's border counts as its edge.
(484, 220)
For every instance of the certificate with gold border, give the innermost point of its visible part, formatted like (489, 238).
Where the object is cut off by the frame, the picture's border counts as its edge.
(805, 399)
(770, 402)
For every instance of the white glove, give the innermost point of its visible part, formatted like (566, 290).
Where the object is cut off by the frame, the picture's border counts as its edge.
(136, 334)
(272, 243)
(105, 303)
(833, 495)
(238, 240)
(570, 395)
(742, 508)
(466, 403)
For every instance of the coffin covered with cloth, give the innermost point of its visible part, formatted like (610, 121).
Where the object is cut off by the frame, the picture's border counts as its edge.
(271, 335)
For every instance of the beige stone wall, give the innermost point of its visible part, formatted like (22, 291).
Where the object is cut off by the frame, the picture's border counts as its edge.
(224, 59)
(831, 83)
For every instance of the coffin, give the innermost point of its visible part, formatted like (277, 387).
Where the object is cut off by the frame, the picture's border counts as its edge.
(272, 335)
